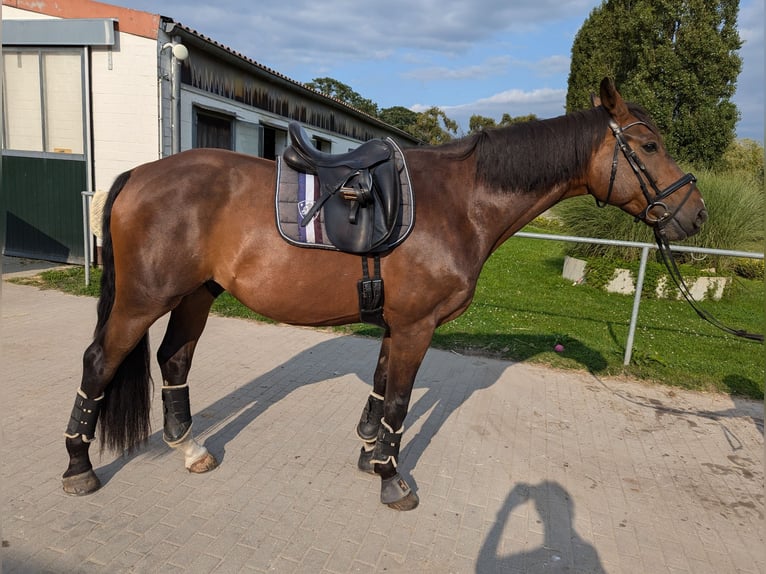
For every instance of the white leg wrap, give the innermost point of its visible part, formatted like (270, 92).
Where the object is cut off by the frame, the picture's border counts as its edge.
(189, 448)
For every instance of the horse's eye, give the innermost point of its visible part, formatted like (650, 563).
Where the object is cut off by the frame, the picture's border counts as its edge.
(651, 147)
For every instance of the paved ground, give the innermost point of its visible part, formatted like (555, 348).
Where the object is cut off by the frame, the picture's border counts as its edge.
(519, 468)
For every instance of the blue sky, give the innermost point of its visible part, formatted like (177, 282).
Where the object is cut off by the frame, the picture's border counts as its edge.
(485, 57)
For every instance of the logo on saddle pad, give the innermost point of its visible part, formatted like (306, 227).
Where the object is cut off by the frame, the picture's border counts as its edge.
(304, 207)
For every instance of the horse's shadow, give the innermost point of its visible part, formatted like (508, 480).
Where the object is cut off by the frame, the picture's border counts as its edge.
(221, 421)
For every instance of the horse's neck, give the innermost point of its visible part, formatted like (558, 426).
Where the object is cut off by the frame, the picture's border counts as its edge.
(492, 215)
(520, 208)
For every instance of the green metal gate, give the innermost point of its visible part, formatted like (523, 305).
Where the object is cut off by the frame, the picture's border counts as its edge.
(42, 207)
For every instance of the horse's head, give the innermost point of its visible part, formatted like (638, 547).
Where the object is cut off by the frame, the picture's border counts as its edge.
(633, 171)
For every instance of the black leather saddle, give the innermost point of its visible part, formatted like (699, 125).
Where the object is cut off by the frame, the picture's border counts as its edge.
(360, 191)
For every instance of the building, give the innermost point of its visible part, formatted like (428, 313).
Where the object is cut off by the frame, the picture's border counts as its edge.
(91, 90)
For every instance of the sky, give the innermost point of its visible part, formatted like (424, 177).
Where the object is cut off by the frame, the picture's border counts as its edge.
(486, 57)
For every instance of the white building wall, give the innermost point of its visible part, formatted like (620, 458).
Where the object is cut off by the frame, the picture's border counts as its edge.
(125, 100)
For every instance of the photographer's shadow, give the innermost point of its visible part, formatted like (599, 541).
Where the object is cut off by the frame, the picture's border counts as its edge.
(562, 550)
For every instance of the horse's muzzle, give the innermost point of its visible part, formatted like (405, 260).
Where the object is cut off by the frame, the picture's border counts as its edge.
(678, 228)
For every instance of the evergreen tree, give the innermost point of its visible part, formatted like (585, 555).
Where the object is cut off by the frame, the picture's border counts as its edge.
(677, 58)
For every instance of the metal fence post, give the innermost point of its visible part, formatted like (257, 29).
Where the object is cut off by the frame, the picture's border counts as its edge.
(87, 235)
(636, 305)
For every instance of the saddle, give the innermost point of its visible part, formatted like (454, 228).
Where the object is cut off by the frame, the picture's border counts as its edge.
(360, 191)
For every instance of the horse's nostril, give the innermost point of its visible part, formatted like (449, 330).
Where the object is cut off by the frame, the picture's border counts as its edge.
(701, 217)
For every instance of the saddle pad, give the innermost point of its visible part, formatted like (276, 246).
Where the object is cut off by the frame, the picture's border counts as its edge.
(296, 192)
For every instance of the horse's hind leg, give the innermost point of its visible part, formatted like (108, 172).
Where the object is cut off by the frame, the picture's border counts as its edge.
(116, 386)
(187, 321)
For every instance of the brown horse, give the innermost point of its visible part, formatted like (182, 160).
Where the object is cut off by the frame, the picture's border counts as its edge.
(181, 230)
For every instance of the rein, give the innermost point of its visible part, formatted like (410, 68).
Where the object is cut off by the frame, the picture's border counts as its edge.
(643, 175)
(675, 274)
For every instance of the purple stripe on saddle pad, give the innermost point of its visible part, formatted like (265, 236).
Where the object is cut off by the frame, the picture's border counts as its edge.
(308, 193)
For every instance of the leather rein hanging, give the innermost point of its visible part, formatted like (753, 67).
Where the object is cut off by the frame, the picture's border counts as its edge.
(639, 169)
(675, 274)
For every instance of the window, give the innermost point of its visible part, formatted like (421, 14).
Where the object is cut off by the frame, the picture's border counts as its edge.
(43, 109)
(274, 142)
(213, 129)
(322, 144)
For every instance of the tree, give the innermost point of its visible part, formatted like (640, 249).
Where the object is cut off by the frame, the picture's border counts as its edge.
(340, 91)
(434, 127)
(477, 123)
(677, 58)
(399, 117)
(508, 120)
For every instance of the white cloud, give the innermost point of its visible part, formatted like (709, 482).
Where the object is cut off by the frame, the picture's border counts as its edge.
(543, 102)
(496, 66)
(515, 98)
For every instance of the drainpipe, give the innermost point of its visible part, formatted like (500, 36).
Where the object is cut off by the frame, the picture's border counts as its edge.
(178, 53)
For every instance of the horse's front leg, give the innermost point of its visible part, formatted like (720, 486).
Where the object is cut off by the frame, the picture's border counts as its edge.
(372, 414)
(187, 321)
(403, 354)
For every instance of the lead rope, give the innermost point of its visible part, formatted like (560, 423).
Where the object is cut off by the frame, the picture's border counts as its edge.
(675, 274)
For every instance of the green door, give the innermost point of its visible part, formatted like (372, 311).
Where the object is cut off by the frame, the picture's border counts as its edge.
(44, 159)
(42, 206)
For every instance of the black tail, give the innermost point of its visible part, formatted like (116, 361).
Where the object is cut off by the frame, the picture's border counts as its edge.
(124, 416)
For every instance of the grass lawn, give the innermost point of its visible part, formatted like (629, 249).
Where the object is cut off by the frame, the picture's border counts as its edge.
(523, 308)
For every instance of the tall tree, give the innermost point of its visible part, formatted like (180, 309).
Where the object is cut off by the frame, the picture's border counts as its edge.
(677, 58)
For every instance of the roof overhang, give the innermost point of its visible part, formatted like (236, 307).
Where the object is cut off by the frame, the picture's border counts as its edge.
(72, 32)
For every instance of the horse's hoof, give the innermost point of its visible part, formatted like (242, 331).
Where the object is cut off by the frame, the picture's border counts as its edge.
(205, 464)
(397, 494)
(81, 484)
(409, 502)
(365, 461)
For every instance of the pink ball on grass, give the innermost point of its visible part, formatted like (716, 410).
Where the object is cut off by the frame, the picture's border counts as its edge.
(559, 348)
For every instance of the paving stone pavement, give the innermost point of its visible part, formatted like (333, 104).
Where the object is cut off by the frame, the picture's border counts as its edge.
(519, 468)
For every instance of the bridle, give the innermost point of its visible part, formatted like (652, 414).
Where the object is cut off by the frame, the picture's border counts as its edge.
(643, 176)
(647, 216)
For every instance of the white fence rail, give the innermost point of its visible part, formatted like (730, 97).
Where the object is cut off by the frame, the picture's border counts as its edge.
(645, 247)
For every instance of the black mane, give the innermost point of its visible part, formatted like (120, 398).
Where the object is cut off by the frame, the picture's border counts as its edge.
(537, 155)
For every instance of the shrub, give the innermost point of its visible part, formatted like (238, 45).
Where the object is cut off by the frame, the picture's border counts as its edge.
(735, 205)
(748, 268)
(745, 156)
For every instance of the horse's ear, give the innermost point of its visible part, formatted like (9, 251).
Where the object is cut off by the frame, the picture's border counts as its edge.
(613, 102)
(595, 101)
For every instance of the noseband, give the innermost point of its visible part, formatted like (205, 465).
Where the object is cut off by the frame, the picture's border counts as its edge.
(643, 176)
